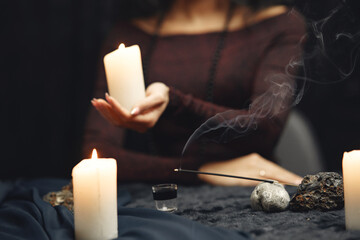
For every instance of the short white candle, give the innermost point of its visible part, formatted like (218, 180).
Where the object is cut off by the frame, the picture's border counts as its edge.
(124, 75)
(351, 178)
(95, 198)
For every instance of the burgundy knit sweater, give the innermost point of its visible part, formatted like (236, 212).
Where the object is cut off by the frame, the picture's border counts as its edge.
(253, 80)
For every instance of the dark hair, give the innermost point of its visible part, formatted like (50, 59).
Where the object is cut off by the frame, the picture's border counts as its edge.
(143, 8)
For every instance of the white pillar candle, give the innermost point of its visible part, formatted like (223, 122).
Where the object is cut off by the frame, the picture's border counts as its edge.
(95, 198)
(351, 178)
(124, 75)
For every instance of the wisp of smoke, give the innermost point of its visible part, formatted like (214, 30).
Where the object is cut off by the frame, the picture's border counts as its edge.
(325, 45)
(235, 123)
(281, 94)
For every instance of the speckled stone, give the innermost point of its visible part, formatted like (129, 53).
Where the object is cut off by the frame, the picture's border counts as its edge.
(270, 197)
(323, 191)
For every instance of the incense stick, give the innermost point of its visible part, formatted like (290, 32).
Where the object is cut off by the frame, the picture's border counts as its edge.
(233, 176)
(224, 175)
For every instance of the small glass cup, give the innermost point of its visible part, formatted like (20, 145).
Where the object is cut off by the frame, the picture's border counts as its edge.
(165, 197)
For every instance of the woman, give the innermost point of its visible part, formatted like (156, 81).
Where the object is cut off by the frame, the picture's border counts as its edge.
(202, 58)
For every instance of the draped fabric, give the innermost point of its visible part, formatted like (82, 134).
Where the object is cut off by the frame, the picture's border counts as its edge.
(204, 213)
(24, 215)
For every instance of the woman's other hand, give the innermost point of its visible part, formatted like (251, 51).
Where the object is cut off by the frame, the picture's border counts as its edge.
(144, 114)
(252, 165)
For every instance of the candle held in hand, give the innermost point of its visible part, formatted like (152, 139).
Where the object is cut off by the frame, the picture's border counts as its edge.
(124, 75)
(351, 178)
(95, 198)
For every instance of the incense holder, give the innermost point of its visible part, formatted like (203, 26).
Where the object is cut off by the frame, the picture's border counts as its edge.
(323, 191)
(165, 197)
(270, 197)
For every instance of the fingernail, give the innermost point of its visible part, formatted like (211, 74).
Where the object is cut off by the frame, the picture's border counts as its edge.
(135, 111)
(107, 95)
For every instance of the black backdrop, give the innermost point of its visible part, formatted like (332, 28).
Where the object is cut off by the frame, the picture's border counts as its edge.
(49, 68)
(49, 53)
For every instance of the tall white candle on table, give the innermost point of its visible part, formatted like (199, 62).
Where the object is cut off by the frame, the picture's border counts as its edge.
(351, 178)
(124, 75)
(95, 198)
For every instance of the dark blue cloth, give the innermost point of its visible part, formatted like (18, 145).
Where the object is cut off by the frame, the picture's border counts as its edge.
(24, 215)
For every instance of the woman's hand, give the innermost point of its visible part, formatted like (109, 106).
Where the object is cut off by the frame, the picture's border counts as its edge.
(144, 114)
(252, 165)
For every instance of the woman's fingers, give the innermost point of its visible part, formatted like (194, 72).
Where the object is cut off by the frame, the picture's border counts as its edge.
(143, 116)
(121, 111)
(122, 117)
(105, 109)
(135, 111)
(149, 103)
(117, 115)
(157, 97)
(140, 122)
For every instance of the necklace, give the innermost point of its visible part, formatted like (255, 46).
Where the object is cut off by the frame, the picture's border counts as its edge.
(212, 71)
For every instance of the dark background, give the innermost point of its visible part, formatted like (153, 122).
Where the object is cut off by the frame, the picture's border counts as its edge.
(49, 55)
